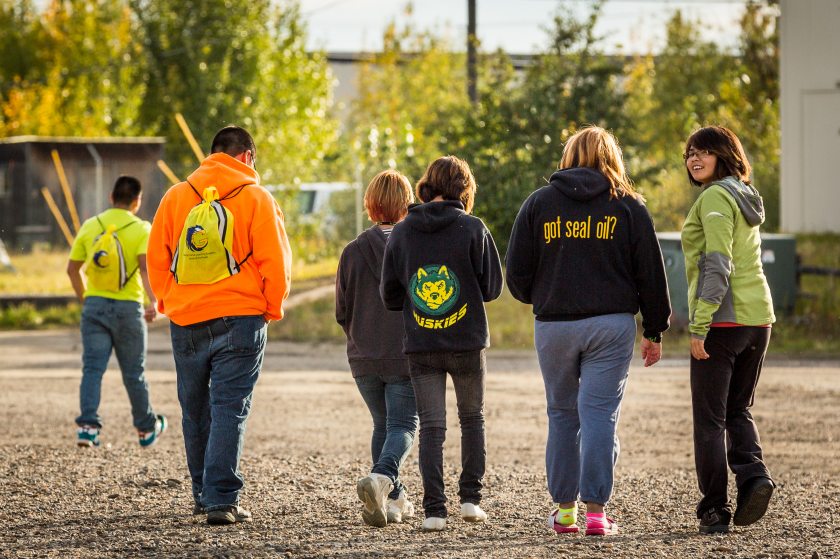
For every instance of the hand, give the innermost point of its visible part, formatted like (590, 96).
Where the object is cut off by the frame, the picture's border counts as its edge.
(651, 352)
(698, 349)
(150, 313)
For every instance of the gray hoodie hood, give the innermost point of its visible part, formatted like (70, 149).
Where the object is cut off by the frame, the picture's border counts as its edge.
(747, 197)
(372, 246)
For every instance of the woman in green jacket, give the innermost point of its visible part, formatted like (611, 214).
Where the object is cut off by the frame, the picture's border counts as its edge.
(730, 314)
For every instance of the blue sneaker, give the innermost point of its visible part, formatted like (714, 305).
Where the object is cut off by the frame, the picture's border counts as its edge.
(151, 437)
(87, 436)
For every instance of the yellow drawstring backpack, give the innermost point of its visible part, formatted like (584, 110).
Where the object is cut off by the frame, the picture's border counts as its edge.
(205, 248)
(105, 266)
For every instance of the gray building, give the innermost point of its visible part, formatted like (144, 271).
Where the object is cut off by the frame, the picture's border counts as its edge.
(810, 107)
(91, 165)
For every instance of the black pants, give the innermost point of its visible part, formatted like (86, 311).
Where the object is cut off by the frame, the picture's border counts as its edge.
(722, 392)
(428, 376)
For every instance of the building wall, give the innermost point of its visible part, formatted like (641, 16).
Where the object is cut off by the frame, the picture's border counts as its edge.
(810, 111)
(24, 216)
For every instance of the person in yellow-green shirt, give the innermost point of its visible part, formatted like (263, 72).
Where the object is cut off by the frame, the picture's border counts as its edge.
(115, 310)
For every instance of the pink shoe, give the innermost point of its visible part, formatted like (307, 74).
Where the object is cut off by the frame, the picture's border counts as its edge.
(561, 528)
(601, 529)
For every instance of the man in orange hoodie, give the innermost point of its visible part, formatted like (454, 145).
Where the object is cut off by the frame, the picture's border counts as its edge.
(218, 329)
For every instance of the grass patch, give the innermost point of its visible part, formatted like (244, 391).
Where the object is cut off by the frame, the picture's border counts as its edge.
(27, 317)
(813, 331)
(309, 322)
(41, 272)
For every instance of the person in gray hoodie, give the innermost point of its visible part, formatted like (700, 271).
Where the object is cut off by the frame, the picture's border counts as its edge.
(374, 350)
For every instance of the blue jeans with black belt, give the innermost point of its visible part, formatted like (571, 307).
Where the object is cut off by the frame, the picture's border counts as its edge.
(217, 364)
(112, 325)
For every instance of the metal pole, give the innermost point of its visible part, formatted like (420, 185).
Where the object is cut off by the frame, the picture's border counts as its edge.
(100, 189)
(472, 40)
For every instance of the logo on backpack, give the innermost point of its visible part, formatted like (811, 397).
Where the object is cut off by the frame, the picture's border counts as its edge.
(196, 238)
(105, 269)
(101, 259)
(205, 247)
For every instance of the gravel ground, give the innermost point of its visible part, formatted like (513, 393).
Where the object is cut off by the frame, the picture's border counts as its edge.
(307, 444)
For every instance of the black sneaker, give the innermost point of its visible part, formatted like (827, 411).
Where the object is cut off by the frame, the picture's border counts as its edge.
(753, 500)
(714, 521)
(228, 515)
(198, 509)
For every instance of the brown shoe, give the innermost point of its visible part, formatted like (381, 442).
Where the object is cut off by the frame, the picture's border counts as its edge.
(228, 515)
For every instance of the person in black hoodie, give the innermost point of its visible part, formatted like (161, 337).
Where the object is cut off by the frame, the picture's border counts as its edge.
(441, 265)
(584, 253)
(374, 350)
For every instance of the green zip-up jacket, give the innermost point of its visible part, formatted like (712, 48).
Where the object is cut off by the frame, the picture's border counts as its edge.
(722, 248)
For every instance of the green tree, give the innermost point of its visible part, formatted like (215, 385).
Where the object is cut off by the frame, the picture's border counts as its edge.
(750, 102)
(218, 64)
(669, 96)
(514, 138)
(68, 70)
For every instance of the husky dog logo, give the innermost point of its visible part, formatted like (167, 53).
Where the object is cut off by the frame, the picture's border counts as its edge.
(434, 289)
(196, 238)
(101, 259)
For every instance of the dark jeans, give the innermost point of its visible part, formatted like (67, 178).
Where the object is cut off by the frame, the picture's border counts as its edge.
(217, 364)
(390, 400)
(722, 392)
(112, 325)
(428, 375)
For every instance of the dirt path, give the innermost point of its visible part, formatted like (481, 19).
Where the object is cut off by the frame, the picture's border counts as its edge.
(307, 443)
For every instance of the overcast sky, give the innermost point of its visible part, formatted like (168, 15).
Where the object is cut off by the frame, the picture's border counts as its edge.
(628, 26)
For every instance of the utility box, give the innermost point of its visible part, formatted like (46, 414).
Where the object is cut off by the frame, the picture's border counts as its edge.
(778, 256)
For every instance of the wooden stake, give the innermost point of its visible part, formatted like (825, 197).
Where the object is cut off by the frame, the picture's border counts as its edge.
(164, 168)
(190, 138)
(65, 187)
(57, 215)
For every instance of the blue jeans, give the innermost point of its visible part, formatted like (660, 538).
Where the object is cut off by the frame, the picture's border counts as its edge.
(390, 400)
(584, 364)
(428, 375)
(217, 363)
(109, 324)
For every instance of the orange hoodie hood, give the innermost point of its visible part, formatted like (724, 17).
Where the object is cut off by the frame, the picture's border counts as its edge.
(224, 172)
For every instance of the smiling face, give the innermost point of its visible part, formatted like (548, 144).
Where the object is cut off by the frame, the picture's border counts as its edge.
(701, 164)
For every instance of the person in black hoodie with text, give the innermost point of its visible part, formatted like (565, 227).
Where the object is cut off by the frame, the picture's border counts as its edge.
(441, 265)
(584, 253)
(374, 350)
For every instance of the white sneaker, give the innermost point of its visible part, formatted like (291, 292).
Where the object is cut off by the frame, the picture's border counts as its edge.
(433, 524)
(373, 489)
(400, 508)
(472, 513)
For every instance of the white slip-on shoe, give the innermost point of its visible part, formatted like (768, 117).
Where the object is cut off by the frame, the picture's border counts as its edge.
(373, 489)
(400, 508)
(433, 524)
(472, 513)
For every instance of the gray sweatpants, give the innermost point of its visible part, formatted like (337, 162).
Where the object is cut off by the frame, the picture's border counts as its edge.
(584, 364)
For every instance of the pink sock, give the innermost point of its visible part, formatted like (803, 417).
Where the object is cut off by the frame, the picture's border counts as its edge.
(596, 518)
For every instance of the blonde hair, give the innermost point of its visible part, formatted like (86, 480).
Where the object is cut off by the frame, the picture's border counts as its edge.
(449, 178)
(387, 197)
(596, 148)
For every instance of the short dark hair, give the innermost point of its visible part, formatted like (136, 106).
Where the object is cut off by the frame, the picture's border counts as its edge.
(449, 178)
(233, 140)
(721, 141)
(126, 190)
